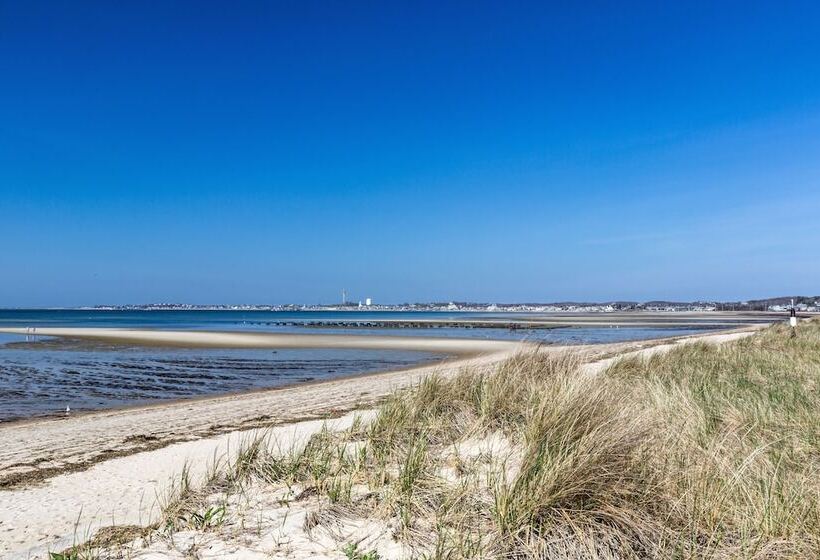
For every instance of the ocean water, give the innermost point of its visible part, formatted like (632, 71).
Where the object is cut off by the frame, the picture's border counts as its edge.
(44, 377)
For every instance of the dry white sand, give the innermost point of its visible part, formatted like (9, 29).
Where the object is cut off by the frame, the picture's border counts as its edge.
(598, 366)
(50, 514)
(70, 508)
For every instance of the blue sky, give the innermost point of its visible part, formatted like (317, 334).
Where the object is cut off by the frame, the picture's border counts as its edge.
(278, 152)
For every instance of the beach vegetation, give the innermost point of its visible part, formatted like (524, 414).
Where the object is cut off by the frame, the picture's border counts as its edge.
(703, 451)
(352, 552)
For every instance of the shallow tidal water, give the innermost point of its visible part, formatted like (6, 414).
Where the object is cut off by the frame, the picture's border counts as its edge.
(42, 378)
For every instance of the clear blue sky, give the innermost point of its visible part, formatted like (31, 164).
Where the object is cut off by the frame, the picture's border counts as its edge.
(278, 152)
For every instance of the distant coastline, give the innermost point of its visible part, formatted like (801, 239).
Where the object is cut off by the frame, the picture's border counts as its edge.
(776, 304)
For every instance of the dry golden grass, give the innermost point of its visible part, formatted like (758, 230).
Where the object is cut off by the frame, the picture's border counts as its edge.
(702, 452)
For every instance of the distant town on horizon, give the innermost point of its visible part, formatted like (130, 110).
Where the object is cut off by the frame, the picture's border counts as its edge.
(775, 304)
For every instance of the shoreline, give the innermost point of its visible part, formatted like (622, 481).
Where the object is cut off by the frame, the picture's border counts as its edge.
(485, 352)
(39, 448)
(112, 465)
(458, 349)
(446, 360)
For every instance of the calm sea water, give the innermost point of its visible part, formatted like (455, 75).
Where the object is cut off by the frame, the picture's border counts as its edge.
(44, 378)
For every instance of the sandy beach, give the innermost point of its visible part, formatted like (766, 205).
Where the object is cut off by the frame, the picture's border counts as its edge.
(64, 478)
(210, 339)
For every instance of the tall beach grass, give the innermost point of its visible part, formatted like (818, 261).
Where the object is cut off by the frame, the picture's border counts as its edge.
(705, 451)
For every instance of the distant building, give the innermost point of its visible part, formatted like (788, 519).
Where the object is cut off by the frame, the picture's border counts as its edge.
(368, 302)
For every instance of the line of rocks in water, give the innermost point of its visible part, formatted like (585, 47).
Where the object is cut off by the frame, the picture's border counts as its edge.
(405, 324)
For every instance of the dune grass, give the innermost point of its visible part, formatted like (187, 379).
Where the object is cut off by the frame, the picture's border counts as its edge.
(704, 451)
(701, 452)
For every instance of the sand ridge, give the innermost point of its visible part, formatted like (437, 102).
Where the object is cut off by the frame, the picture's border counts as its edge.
(217, 339)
